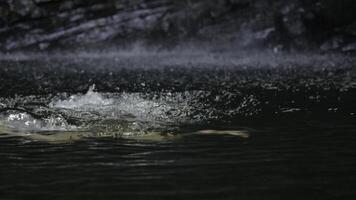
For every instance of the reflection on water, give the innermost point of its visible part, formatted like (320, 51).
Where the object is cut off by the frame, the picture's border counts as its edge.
(285, 162)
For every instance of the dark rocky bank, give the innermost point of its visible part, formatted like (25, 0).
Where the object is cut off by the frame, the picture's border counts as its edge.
(328, 25)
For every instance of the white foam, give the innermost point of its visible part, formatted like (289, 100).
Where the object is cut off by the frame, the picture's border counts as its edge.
(91, 98)
(22, 121)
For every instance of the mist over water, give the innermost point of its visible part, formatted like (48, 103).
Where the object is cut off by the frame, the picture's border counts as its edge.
(190, 55)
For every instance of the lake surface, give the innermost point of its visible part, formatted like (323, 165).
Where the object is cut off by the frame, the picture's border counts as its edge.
(184, 126)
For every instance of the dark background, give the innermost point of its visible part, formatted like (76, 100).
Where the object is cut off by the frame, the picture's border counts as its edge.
(298, 105)
(327, 25)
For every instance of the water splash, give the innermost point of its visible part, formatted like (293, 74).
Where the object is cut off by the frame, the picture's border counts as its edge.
(104, 114)
(118, 114)
(94, 114)
(91, 98)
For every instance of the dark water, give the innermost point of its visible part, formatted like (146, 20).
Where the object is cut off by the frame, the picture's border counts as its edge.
(299, 114)
(302, 163)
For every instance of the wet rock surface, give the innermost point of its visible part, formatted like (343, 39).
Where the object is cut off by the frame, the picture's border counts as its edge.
(292, 24)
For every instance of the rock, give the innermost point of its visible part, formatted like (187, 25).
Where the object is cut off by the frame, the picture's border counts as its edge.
(350, 48)
(351, 29)
(42, 24)
(22, 7)
(4, 9)
(336, 13)
(294, 24)
(44, 45)
(332, 44)
(291, 30)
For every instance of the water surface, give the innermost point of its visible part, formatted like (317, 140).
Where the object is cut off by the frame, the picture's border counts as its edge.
(218, 127)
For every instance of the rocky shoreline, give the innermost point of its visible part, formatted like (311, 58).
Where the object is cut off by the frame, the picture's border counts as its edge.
(327, 25)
